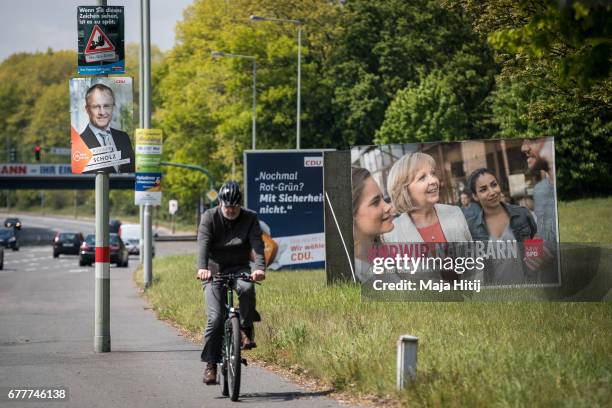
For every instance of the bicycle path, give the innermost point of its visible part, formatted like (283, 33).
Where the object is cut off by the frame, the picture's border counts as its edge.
(46, 338)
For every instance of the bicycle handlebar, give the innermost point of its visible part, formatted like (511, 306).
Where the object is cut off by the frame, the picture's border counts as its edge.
(242, 275)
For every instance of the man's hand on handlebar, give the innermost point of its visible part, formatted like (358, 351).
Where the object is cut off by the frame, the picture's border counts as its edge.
(204, 274)
(258, 275)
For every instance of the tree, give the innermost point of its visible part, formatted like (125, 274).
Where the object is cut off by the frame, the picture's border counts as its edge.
(205, 103)
(387, 47)
(555, 81)
(447, 104)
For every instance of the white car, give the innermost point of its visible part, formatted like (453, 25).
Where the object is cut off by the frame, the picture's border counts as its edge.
(130, 234)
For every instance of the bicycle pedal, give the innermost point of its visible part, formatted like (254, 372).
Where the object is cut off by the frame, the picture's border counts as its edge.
(243, 361)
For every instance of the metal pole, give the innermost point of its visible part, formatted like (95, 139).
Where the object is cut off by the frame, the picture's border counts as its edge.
(141, 68)
(148, 272)
(254, 102)
(141, 242)
(102, 338)
(299, 83)
(141, 120)
(8, 160)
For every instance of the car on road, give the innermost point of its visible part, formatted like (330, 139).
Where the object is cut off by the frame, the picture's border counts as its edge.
(118, 252)
(9, 238)
(67, 243)
(130, 234)
(14, 223)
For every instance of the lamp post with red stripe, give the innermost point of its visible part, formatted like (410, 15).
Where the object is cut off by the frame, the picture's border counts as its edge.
(102, 338)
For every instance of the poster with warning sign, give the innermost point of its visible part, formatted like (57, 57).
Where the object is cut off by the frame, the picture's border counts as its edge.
(101, 118)
(100, 38)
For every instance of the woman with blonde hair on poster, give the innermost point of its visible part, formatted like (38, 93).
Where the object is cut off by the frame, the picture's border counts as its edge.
(414, 188)
(372, 217)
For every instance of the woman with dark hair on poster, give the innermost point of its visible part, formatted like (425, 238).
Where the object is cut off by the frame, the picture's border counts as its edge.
(499, 221)
(372, 217)
(414, 188)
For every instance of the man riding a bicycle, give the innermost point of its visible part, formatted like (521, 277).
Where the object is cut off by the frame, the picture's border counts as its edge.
(227, 236)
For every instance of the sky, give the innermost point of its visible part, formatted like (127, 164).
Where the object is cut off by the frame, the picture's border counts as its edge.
(35, 25)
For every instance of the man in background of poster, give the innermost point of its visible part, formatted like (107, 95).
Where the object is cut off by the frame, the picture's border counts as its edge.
(99, 104)
(469, 207)
(539, 156)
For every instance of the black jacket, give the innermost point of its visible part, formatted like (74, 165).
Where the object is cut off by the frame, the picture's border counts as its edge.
(122, 142)
(522, 223)
(224, 243)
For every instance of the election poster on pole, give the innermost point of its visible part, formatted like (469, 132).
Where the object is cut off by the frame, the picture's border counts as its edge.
(101, 117)
(100, 40)
(148, 189)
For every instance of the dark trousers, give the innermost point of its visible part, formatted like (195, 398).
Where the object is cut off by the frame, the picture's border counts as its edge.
(214, 297)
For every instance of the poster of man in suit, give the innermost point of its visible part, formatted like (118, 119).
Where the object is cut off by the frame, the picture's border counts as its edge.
(101, 120)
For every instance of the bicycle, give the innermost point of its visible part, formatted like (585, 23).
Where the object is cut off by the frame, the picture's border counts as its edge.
(229, 370)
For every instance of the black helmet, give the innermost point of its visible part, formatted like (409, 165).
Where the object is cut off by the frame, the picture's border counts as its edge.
(229, 194)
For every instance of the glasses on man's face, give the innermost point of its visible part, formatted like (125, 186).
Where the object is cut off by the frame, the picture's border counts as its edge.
(101, 107)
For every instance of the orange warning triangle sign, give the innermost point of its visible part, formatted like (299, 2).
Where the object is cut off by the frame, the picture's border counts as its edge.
(98, 42)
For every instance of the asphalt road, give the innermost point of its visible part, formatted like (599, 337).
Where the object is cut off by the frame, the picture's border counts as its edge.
(46, 339)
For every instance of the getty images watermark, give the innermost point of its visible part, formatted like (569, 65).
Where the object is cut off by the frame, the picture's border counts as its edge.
(448, 267)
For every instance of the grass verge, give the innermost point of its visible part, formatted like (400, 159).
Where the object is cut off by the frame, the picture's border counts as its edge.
(470, 354)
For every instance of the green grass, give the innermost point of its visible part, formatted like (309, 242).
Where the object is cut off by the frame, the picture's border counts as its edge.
(587, 220)
(470, 354)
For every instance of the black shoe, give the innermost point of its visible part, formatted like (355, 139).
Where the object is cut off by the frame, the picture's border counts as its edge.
(246, 335)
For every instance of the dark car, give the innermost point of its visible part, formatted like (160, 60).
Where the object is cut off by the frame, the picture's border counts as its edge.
(14, 223)
(67, 243)
(9, 239)
(118, 252)
(114, 226)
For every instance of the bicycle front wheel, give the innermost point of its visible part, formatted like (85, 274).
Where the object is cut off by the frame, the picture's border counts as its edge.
(233, 359)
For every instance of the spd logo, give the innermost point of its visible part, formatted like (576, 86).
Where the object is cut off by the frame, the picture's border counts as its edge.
(534, 248)
(78, 156)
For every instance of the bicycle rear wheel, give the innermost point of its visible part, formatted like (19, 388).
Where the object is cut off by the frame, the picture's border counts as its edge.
(233, 359)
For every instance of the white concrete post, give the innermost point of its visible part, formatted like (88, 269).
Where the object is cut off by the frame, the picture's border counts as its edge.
(406, 360)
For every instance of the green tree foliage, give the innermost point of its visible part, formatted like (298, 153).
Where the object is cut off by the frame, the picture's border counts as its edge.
(417, 51)
(555, 80)
(34, 98)
(447, 104)
(357, 56)
(205, 103)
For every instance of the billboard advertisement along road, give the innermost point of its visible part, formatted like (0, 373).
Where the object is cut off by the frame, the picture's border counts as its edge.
(422, 210)
(285, 188)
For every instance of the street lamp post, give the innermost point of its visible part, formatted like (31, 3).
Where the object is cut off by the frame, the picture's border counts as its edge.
(220, 54)
(298, 23)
